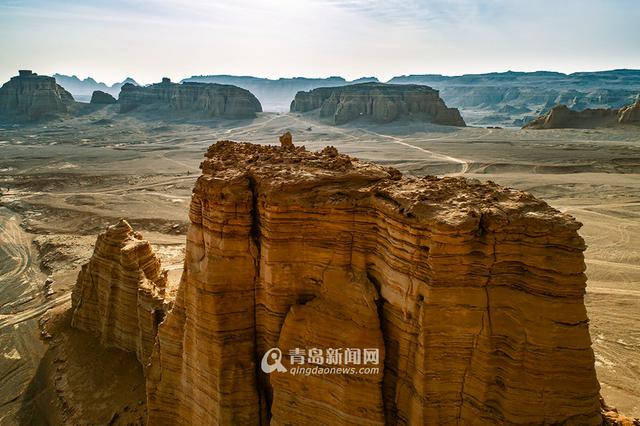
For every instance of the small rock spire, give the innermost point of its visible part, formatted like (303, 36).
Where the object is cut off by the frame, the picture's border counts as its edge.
(286, 141)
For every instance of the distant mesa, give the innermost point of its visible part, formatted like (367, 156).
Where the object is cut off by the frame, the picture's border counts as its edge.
(102, 98)
(383, 103)
(213, 100)
(29, 96)
(276, 94)
(561, 117)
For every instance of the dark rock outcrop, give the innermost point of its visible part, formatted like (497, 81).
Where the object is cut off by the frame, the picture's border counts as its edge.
(213, 100)
(561, 117)
(383, 103)
(29, 96)
(102, 98)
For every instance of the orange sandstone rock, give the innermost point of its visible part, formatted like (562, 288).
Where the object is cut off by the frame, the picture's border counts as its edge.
(119, 294)
(474, 291)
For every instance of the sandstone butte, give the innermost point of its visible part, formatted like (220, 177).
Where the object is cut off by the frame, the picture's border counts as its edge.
(29, 96)
(562, 116)
(210, 99)
(472, 292)
(383, 103)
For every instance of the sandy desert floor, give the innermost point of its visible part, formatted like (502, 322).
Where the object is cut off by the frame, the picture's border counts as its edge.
(63, 182)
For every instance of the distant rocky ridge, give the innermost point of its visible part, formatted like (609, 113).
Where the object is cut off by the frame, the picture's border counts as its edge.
(29, 96)
(212, 100)
(505, 99)
(82, 90)
(562, 116)
(383, 103)
(515, 98)
(276, 95)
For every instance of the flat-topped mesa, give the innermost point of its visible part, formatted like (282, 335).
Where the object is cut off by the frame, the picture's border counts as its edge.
(212, 100)
(383, 103)
(120, 292)
(561, 117)
(470, 293)
(29, 96)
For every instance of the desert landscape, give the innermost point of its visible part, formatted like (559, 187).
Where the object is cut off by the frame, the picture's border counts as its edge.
(319, 213)
(63, 182)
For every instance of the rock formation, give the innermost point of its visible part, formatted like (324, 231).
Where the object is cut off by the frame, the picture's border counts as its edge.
(630, 114)
(471, 294)
(561, 117)
(102, 98)
(120, 293)
(30, 96)
(286, 140)
(384, 103)
(213, 100)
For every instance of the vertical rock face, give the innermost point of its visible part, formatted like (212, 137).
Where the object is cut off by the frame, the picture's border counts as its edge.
(214, 100)
(384, 103)
(472, 293)
(343, 315)
(119, 294)
(102, 98)
(31, 96)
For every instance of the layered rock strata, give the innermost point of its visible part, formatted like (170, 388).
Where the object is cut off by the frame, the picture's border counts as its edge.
(31, 96)
(99, 97)
(120, 292)
(213, 100)
(471, 293)
(562, 116)
(383, 103)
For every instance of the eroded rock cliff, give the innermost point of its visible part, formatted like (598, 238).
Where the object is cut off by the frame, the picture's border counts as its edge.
(471, 293)
(30, 96)
(213, 100)
(561, 117)
(120, 292)
(382, 102)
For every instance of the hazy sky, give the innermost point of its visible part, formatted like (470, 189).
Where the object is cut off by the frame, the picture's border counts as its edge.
(148, 39)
